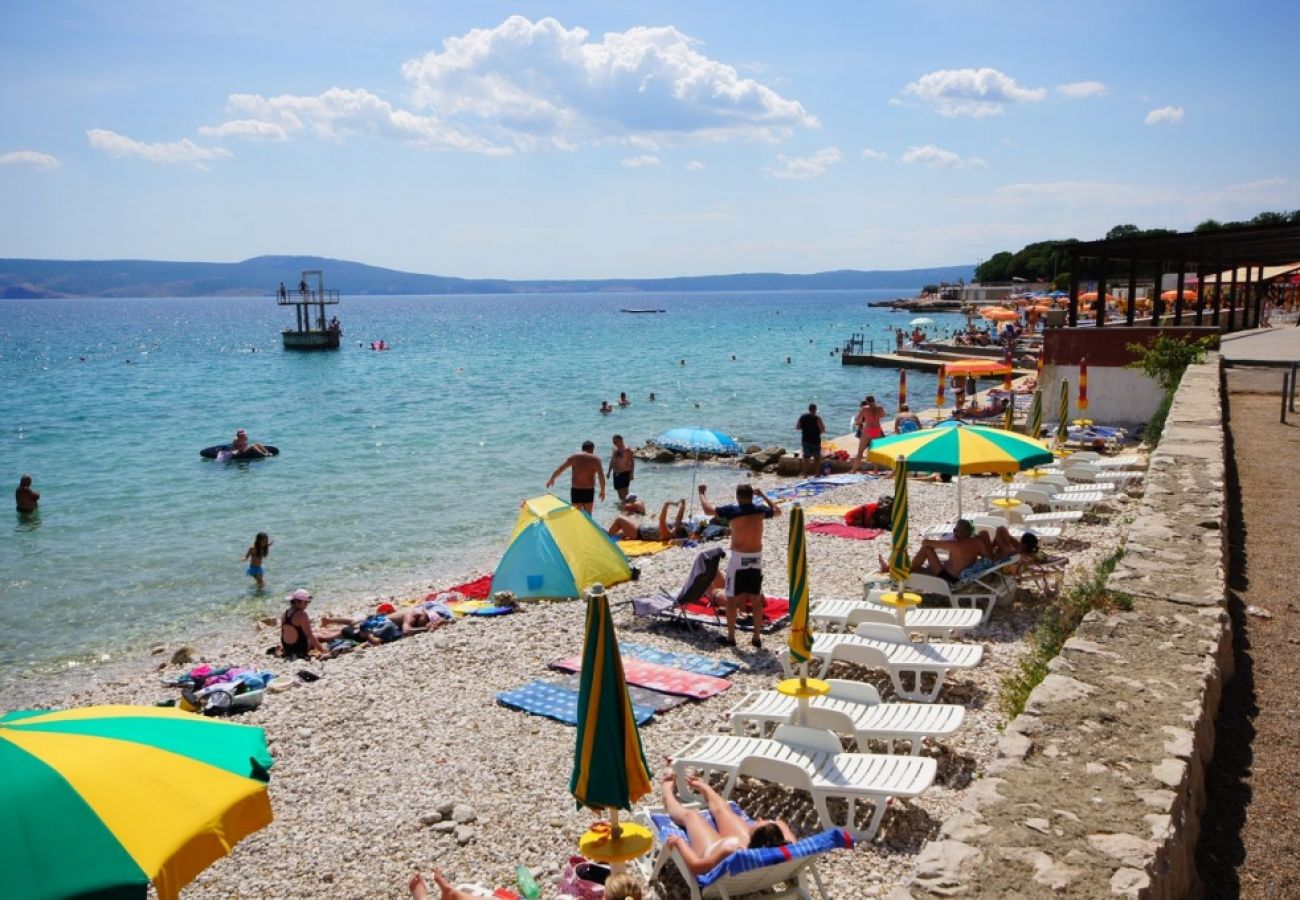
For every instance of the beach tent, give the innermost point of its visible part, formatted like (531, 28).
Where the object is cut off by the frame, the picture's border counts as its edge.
(557, 551)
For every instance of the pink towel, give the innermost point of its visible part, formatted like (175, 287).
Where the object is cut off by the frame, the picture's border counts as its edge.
(852, 532)
(658, 678)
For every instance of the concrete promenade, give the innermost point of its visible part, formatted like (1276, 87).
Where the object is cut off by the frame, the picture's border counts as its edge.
(1262, 346)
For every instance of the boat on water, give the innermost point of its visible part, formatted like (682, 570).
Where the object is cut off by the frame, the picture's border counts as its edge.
(640, 312)
(313, 332)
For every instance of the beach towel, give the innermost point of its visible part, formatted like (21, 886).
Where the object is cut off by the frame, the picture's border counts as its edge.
(827, 509)
(840, 530)
(658, 678)
(643, 548)
(775, 611)
(477, 589)
(656, 700)
(700, 665)
(556, 701)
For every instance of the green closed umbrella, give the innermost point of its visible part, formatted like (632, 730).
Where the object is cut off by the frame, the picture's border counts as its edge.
(1036, 415)
(800, 639)
(900, 564)
(1009, 420)
(1062, 429)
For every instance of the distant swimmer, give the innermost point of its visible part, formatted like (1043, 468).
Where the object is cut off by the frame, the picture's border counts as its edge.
(787, 360)
(25, 498)
(622, 399)
(683, 362)
(622, 467)
(586, 470)
(241, 444)
(605, 407)
(652, 396)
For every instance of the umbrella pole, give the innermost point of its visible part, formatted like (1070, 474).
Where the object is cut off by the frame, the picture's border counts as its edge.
(959, 494)
(801, 712)
(694, 474)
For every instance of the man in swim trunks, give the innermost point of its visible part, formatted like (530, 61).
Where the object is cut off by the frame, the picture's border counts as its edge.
(811, 428)
(745, 566)
(586, 470)
(25, 498)
(622, 467)
(963, 550)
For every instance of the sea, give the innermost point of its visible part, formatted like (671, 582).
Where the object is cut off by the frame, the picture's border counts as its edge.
(397, 470)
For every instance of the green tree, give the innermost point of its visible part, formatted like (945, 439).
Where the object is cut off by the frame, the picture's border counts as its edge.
(996, 268)
(1123, 231)
(1269, 218)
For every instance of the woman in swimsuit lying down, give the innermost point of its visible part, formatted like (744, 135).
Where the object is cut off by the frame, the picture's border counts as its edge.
(705, 846)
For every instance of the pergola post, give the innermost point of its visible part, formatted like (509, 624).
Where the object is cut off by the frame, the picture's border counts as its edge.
(1218, 292)
(1178, 301)
(1074, 290)
(1101, 292)
(1232, 302)
(1246, 291)
(1132, 292)
(1200, 293)
(1157, 302)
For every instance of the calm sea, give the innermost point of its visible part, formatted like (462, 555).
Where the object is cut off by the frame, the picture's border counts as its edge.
(397, 468)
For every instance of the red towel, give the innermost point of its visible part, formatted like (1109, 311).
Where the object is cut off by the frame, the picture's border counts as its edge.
(774, 609)
(475, 590)
(852, 532)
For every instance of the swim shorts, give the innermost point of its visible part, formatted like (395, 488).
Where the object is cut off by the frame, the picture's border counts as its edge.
(622, 480)
(745, 574)
(812, 451)
(256, 571)
(949, 577)
(980, 565)
(582, 495)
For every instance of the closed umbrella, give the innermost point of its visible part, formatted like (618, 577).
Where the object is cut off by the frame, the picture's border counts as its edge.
(1009, 419)
(1083, 384)
(101, 801)
(900, 564)
(609, 767)
(1006, 376)
(1038, 367)
(954, 448)
(902, 388)
(1062, 429)
(938, 394)
(800, 639)
(1036, 415)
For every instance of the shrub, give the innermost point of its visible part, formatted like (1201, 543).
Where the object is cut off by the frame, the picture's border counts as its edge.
(1165, 359)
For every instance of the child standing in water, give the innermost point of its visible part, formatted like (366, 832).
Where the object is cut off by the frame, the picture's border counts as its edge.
(255, 554)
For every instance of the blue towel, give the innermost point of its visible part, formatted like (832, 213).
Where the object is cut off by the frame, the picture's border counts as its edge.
(656, 700)
(700, 665)
(555, 701)
(749, 860)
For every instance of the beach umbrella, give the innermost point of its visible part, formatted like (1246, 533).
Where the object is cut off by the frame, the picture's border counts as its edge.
(921, 320)
(102, 800)
(1083, 384)
(999, 314)
(900, 565)
(1036, 415)
(976, 367)
(902, 387)
(1173, 295)
(1008, 362)
(1062, 429)
(938, 395)
(1009, 420)
(609, 767)
(698, 440)
(955, 448)
(800, 639)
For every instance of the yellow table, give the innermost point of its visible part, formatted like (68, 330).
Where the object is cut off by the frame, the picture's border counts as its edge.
(1034, 474)
(1082, 423)
(803, 687)
(900, 601)
(1005, 502)
(599, 843)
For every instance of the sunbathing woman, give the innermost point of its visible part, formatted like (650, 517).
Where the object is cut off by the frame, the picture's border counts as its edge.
(706, 845)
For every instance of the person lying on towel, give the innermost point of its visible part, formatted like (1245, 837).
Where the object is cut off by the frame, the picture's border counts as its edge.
(681, 530)
(707, 845)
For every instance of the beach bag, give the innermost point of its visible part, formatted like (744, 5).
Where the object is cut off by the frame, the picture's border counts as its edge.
(583, 880)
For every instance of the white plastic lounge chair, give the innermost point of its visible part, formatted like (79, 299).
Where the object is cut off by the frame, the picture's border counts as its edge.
(981, 591)
(1131, 461)
(877, 646)
(1025, 516)
(747, 872)
(810, 759)
(846, 615)
(1086, 473)
(852, 708)
(990, 523)
(1083, 501)
(1053, 484)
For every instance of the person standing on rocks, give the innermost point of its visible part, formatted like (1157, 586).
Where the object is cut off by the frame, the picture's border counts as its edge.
(586, 469)
(811, 428)
(745, 566)
(622, 468)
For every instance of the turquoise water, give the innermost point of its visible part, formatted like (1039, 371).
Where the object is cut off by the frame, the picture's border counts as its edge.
(397, 469)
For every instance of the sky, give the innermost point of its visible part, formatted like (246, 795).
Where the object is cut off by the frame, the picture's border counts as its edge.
(614, 139)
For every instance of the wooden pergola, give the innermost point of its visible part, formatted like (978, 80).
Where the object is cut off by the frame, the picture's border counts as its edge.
(1244, 251)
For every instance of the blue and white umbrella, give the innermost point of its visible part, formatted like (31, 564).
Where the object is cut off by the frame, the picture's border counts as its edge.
(698, 440)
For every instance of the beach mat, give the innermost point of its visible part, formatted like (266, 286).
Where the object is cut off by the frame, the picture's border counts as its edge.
(658, 678)
(700, 665)
(827, 509)
(556, 701)
(478, 589)
(849, 532)
(656, 700)
(776, 610)
(643, 548)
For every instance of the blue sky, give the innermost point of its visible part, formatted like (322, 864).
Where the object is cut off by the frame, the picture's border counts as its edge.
(583, 139)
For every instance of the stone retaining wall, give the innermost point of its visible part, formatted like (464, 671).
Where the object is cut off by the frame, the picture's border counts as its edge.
(1098, 787)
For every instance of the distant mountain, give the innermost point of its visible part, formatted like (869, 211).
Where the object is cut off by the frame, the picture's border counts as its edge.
(263, 274)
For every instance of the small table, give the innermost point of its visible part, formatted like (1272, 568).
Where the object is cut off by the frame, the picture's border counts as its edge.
(1005, 502)
(803, 688)
(1082, 423)
(600, 845)
(902, 601)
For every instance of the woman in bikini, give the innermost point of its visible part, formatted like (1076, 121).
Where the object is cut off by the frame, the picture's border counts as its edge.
(868, 428)
(297, 640)
(255, 554)
(707, 845)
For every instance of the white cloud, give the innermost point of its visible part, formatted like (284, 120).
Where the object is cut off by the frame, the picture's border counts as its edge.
(1079, 89)
(636, 162)
(971, 92)
(249, 129)
(869, 153)
(1165, 115)
(937, 158)
(182, 151)
(538, 83)
(803, 167)
(30, 158)
(695, 166)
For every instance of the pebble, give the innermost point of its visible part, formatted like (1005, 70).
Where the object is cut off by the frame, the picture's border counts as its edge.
(463, 813)
(464, 834)
(1258, 612)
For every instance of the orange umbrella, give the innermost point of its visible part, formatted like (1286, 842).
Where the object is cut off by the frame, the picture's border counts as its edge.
(1091, 297)
(1000, 314)
(1006, 377)
(902, 388)
(1041, 307)
(976, 367)
(1173, 295)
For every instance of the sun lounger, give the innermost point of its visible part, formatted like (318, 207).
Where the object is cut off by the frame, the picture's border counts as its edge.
(989, 523)
(1083, 501)
(1131, 461)
(745, 872)
(846, 615)
(852, 708)
(877, 646)
(810, 759)
(671, 606)
(981, 591)
(1087, 472)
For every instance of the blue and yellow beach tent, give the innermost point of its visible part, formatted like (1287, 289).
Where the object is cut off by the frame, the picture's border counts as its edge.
(557, 551)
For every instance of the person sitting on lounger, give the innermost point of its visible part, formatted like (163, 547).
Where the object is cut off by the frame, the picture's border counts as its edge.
(965, 553)
(625, 529)
(707, 845)
(1004, 547)
(906, 421)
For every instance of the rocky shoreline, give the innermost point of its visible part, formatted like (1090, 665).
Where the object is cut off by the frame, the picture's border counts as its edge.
(399, 758)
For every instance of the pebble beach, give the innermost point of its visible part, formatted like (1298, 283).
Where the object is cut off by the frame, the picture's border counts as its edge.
(399, 758)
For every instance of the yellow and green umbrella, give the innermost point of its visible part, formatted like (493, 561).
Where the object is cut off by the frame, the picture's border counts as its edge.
(1063, 426)
(955, 448)
(1083, 384)
(1036, 415)
(1009, 420)
(609, 767)
(800, 639)
(103, 800)
(900, 565)
(938, 394)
